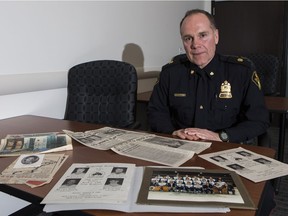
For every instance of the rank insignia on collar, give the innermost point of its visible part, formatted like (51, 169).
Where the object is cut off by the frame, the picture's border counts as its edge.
(256, 80)
(225, 90)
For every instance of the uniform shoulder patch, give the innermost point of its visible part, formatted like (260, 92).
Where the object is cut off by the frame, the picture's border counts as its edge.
(256, 80)
(238, 60)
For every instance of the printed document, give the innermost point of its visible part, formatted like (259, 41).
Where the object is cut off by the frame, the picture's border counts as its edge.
(17, 144)
(111, 186)
(33, 170)
(145, 146)
(90, 183)
(248, 164)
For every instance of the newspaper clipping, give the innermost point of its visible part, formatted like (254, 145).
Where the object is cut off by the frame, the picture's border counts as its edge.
(158, 149)
(16, 144)
(33, 170)
(248, 164)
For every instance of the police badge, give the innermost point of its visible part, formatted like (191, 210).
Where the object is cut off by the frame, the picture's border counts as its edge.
(225, 90)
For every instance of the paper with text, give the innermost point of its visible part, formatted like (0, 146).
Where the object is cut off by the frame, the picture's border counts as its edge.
(248, 164)
(145, 146)
(95, 182)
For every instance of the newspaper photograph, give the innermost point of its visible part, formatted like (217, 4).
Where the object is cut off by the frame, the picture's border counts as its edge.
(248, 164)
(93, 183)
(16, 144)
(26, 169)
(145, 146)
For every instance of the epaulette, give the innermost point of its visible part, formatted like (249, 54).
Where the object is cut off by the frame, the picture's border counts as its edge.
(237, 60)
(170, 64)
(179, 59)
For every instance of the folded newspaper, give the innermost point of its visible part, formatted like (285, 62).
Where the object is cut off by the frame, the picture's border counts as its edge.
(145, 146)
(17, 144)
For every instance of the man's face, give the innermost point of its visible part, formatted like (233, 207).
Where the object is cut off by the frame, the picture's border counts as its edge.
(199, 39)
(80, 170)
(113, 181)
(71, 182)
(119, 170)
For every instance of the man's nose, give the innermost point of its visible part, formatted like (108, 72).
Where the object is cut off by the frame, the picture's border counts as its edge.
(195, 42)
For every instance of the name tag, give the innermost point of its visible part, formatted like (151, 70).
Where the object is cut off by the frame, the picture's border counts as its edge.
(179, 95)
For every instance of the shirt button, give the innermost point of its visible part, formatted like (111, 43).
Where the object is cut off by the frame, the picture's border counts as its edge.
(192, 72)
(201, 107)
(211, 73)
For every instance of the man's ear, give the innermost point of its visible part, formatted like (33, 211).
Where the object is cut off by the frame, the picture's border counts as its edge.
(216, 36)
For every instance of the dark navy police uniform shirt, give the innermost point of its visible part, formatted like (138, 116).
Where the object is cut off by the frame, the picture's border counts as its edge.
(224, 95)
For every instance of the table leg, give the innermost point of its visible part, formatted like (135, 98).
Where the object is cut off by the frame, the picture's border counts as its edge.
(281, 144)
(281, 147)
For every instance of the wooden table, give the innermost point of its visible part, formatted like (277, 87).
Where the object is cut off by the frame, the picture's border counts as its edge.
(83, 154)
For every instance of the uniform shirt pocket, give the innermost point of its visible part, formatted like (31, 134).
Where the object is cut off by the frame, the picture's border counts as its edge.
(225, 113)
(181, 108)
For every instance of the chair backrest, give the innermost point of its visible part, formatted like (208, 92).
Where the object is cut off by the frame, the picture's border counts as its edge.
(268, 70)
(103, 92)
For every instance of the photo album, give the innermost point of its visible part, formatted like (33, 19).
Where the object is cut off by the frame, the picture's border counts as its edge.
(128, 188)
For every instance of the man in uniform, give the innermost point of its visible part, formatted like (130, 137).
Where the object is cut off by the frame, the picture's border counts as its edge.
(204, 95)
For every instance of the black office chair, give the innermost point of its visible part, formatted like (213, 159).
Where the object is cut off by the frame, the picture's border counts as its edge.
(268, 68)
(103, 92)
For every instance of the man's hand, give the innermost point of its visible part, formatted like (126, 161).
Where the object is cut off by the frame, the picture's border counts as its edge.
(197, 134)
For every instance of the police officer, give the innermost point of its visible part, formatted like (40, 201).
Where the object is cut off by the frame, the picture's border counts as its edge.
(204, 95)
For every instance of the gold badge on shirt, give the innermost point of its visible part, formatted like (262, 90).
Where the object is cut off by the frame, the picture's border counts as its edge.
(225, 90)
(256, 80)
